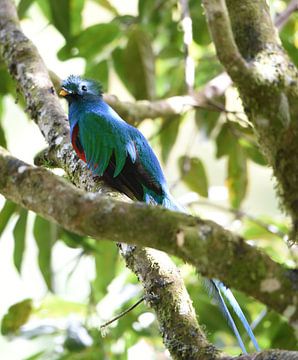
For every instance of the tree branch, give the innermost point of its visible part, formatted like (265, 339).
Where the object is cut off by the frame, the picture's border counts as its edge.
(227, 50)
(202, 243)
(282, 18)
(135, 112)
(269, 90)
(26, 66)
(22, 182)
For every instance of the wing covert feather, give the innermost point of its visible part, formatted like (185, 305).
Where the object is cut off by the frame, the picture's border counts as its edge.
(100, 138)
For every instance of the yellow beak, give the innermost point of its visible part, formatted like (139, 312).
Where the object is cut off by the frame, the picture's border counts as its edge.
(63, 92)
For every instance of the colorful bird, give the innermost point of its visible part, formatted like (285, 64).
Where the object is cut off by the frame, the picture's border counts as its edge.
(120, 154)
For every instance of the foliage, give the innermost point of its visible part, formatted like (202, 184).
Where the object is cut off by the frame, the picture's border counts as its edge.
(145, 52)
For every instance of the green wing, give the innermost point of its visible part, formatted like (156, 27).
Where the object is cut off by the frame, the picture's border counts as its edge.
(101, 137)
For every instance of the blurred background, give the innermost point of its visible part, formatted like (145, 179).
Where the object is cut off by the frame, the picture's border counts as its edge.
(55, 295)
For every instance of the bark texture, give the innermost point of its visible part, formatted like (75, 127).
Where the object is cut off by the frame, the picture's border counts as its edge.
(214, 251)
(204, 244)
(248, 45)
(28, 69)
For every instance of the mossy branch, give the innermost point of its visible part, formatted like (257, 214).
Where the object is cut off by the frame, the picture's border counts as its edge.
(202, 243)
(268, 88)
(27, 67)
(22, 183)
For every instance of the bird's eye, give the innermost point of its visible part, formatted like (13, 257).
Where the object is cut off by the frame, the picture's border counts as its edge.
(84, 87)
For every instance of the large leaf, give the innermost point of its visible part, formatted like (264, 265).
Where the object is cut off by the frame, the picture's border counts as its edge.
(206, 120)
(90, 42)
(19, 234)
(23, 6)
(225, 141)
(289, 38)
(253, 152)
(200, 28)
(8, 209)
(237, 175)
(108, 6)
(17, 315)
(118, 62)
(45, 234)
(193, 174)
(67, 16)
(77, 241)
(98, 71)
(168, 135)
(139, 64)
(106, 266)
(145, 8)
(61, 16)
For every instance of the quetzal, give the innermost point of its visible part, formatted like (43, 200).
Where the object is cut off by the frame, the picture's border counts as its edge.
(120, 154)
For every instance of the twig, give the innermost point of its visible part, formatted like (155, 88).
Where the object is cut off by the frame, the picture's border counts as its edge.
(272, 229)
(282, 18)
(123, 313)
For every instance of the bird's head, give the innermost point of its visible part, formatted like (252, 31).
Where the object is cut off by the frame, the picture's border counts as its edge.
(77, 87)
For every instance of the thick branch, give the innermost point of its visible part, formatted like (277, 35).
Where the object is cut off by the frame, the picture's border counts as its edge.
(180, 333)
(227, 50)
(204, 244)
(26, 66)
(269, 92)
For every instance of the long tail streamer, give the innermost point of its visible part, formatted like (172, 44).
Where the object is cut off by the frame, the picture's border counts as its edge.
(217, 289)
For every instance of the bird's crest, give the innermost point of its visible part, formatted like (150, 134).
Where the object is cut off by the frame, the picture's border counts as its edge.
(75, 84)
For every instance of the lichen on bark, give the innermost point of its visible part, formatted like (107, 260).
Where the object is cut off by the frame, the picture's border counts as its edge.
(268, 86)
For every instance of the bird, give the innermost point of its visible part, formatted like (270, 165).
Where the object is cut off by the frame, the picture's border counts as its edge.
(120, 154)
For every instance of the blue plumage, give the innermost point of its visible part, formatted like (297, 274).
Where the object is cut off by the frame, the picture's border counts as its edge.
(120, 154)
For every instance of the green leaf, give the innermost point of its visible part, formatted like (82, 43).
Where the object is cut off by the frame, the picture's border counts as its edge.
(36, 356)
(237, 175)
(60, 12)
(23, 6)
(118, 62)
(3, 142)
(98, 71)
(19, 234)
(91, 42)
(45, 234)
(8, 209)
(168, 135)
(145, 8)
(139, 64)
(106, 258)
(66, 16)
(108, 6)
(76, 9)
(77, 241)
(200, 28)
(193, 174)
(17, 315)
(253, 152)
(6, 84)
(225, 141)
(56, 307)
(206, 120)
(92, 353)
